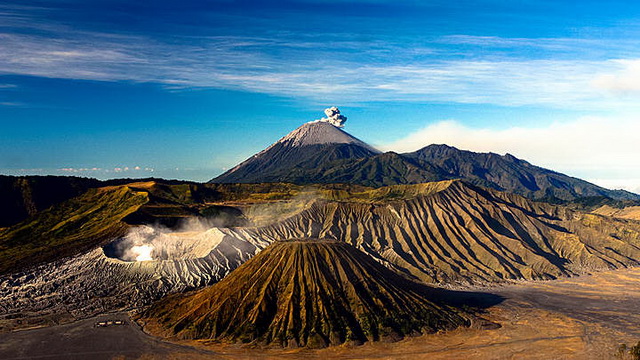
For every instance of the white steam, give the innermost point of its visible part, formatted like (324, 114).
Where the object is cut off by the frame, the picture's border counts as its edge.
(140, 243)
(333, 117)
(194, 239)
(142, 252)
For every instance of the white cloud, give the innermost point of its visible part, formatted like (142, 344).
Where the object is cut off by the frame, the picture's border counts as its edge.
(624, 81)
(598, 149)
(94, 170)
(631, 184)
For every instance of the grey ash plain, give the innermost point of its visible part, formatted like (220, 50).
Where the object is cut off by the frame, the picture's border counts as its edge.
(84, 340)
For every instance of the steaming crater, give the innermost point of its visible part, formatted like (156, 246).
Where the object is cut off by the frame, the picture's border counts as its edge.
(130, 272)
(148, 243)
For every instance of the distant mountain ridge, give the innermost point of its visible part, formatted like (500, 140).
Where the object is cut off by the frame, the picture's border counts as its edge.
(25, 196)
(320, 153)
(21, 197)
(508, 173)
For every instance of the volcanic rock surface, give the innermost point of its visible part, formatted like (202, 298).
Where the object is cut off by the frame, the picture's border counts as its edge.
(630, 212)
(311, 145)
(452, 232)
(94, 283)
(306, 293)
(449, 233)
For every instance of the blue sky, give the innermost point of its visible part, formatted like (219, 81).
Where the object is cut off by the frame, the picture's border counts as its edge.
(186, 89)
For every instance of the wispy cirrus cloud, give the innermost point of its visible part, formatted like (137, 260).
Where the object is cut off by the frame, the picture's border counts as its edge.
(12, 104)
(249, 64)
(335, 66)
(6, 103)
(566, 48)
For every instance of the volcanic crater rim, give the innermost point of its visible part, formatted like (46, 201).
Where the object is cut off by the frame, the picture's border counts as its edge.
(144, 244)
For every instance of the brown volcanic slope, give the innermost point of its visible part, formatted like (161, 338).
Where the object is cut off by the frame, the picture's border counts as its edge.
(629, 212)
(453, 232)
(305, 293)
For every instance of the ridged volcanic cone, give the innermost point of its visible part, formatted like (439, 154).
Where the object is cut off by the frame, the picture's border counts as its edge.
(305, 293)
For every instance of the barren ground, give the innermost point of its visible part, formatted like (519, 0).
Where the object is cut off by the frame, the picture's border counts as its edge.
(577, 318)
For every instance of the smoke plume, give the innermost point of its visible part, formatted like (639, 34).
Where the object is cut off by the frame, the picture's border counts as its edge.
(334, 117)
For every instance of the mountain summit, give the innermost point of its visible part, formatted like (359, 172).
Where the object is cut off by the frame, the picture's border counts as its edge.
(319, 133)
(310, 146)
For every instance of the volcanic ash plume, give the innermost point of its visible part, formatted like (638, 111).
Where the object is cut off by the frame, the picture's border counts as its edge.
(334, 117)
